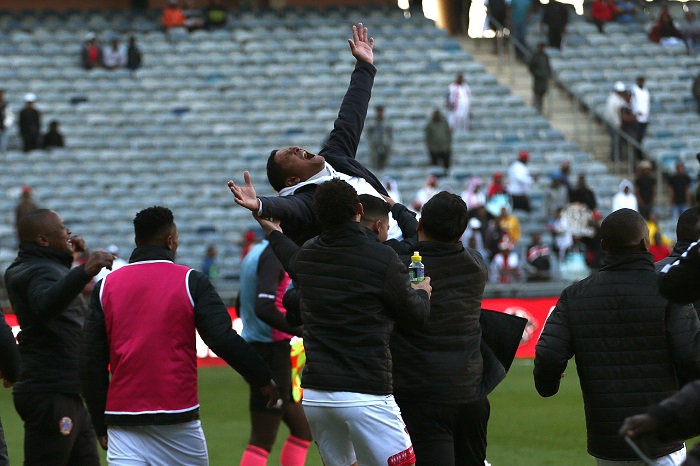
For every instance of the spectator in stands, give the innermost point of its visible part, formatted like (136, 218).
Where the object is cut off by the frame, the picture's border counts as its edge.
(664, 31)
(216, 15)
(510, 225)
(641, 105)
(29, 123)
(474, 196)
(654, 227)
(564, 172)
(438, 139)
(627, 373)
(7, 120)
(91, 54)
(459, 97)
(505, 266)
(425, 193)
(679, 190)
(561, 235)
(583, 194)
(520, 181)
(519, 14)
(497, 14)
(392, 188)
(541, 72)
(497, 186)
(53, 138)
(25, 205)
(658, 249)
(594, 253)
(537, 260)
(250, 239)
(624, 199)
(645, 189)
(173, 20)
(602, 11)
(474, 238)
(556, 17)
(696, 92)
(612, 114)
(133, 55)
(626, 11)
(194, 17)
(379, 137)
(690, 28)
(209, 266)
(556, 197)
(114, 55)
(628, 124)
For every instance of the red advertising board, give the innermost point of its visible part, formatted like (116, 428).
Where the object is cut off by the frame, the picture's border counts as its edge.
(535, 310)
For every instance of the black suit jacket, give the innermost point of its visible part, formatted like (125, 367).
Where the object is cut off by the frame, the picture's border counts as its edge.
(298, 220)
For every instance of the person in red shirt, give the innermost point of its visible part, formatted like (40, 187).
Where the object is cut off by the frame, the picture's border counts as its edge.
(497, 186)
(603, 11)
(173, 16)
(659, 250)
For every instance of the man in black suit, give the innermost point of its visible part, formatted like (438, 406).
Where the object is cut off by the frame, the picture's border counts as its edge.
(295, 172)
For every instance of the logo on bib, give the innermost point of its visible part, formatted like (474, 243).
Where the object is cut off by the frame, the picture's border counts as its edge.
(65, 425)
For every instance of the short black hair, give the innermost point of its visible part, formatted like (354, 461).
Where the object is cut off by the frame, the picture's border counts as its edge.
(687, 226)
(374, 207)
(152, 222)
(444, 217)
(31, 224)
(335, 203)
(275, 175)
(623, 230)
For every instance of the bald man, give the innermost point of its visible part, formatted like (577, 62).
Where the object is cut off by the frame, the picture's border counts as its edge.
(629, 342)
(46, 296)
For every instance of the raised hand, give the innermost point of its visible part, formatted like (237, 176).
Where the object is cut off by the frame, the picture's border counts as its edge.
(97, 260)
(245, 195)
(361, 44)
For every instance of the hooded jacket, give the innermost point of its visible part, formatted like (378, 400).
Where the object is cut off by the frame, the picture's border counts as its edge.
(625, 201)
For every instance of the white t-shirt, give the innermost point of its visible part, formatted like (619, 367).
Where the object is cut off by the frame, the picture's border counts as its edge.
(612, 108)
(519, 179)
(114, 58)
(641, 101)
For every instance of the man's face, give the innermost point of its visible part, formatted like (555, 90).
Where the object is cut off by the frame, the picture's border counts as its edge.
(56, 234)
(298, 165)
(383, 229)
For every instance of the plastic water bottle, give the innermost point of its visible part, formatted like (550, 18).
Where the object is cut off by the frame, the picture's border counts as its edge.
(416, 270)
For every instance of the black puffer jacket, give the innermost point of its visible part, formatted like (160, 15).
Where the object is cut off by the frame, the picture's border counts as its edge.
(680, 281)
(352, 290)
(626, 339)
(46, 296)
(442, 362)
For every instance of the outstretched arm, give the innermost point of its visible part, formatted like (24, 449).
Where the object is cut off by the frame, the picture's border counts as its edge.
(345, 137)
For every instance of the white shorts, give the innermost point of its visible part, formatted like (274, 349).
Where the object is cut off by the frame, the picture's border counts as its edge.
(372, 435)
(161, 445)
(674, 459)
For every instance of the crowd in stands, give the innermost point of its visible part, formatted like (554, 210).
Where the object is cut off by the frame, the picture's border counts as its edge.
(178, 21)
(113, 56)
(29, 126)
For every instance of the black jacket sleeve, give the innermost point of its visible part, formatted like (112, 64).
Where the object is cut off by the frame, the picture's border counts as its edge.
(408, 307)
(294, 210)
(680, 281)
(270, 274)
(347, 128)
(286, 251)
(678, 416)
(408, 225)
(94, 362)
(214, 325)
(683, 336)
(48, 297)
(292, 303)
(9, 353)
(553, 350)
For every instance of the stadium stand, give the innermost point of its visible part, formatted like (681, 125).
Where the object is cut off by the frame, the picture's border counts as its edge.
(591, 62)
(204, 109)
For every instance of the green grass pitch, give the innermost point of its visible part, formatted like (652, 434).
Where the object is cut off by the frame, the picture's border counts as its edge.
(524, 430)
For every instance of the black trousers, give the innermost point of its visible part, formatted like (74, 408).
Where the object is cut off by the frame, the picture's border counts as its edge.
(554, 37)
(441, 157)
(57, 430)
(447, 435)
(521, 203)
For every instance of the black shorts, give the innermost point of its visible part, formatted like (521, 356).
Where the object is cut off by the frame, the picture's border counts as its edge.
(276, 356)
